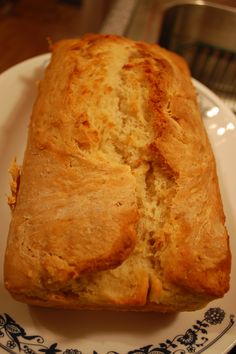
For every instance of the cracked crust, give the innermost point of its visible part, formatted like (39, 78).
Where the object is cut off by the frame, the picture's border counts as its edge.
(119, 204)
(14, 185)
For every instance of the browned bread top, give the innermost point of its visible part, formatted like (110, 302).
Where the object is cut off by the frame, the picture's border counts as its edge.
(119, 203)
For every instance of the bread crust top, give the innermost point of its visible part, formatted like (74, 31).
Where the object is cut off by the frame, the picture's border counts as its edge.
(113, 118)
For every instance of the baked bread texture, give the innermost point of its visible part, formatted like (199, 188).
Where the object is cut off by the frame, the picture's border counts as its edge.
(118, 205)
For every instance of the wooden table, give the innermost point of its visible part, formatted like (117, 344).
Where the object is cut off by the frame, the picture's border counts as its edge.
(25, 25)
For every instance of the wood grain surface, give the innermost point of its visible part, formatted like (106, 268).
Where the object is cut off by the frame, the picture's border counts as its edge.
(25, 25)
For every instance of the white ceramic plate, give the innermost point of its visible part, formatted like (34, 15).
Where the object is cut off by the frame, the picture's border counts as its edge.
(31, 330)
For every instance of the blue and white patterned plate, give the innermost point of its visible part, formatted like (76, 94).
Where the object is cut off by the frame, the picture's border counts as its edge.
(32, 330)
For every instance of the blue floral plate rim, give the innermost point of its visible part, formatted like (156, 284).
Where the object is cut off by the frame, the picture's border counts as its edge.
(14, 339)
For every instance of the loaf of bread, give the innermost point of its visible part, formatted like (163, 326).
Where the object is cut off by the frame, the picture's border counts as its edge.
(117, 205)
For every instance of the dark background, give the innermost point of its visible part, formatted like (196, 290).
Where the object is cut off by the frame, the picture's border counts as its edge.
(25, 25)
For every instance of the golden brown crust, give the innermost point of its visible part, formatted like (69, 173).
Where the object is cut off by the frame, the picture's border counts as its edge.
(14, 185)
(119, 205)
